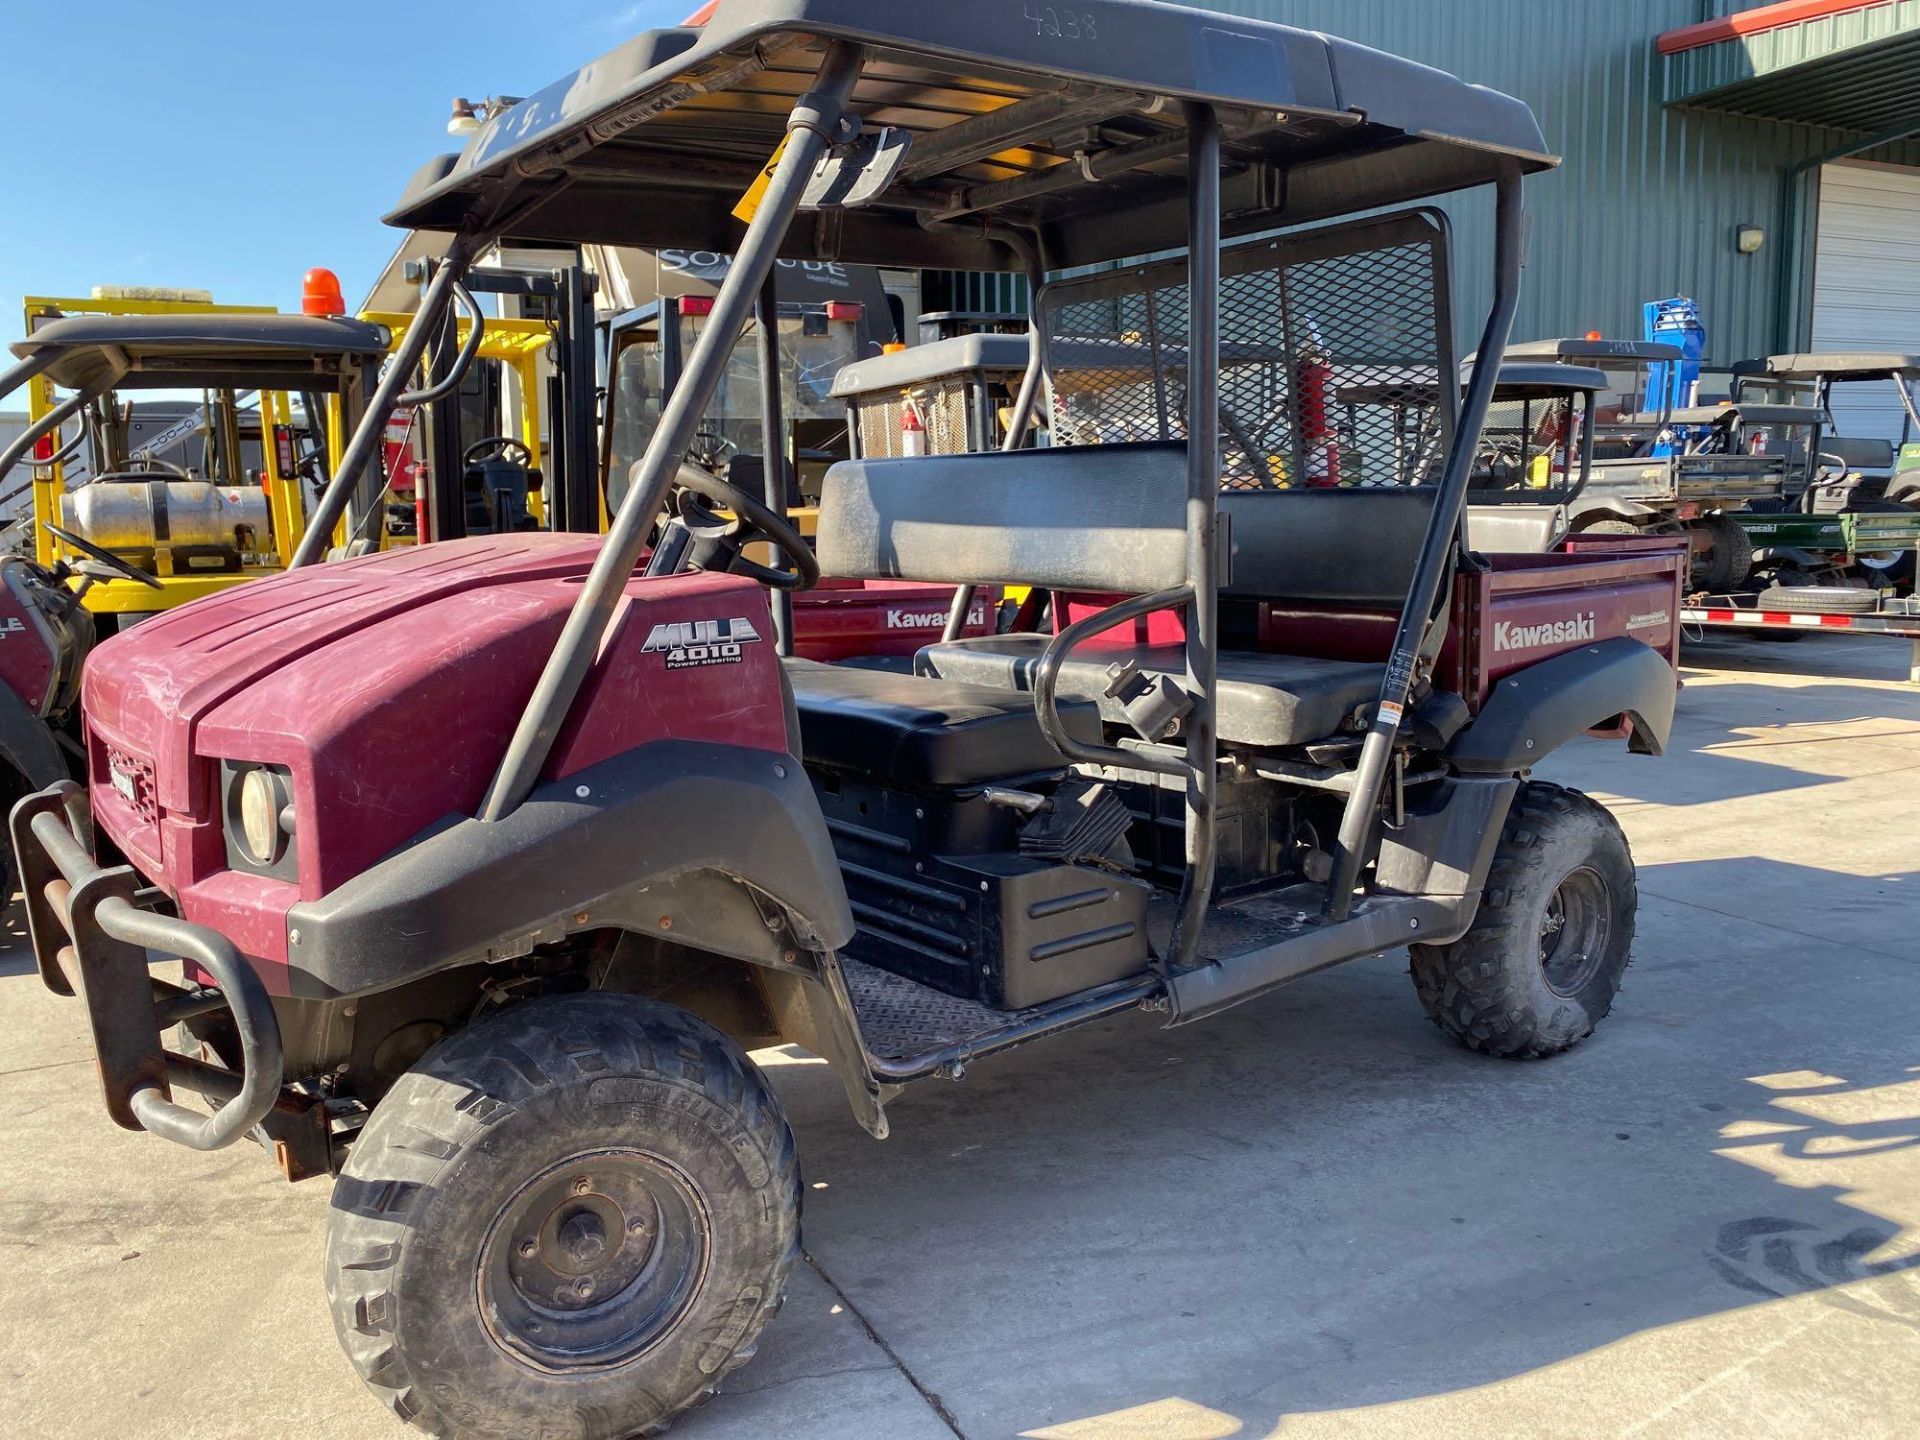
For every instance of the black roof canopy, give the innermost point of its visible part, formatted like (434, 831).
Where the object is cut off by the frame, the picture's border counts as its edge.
(268, 352)
(1578, 349)
(1068, 125)
(1833, 365)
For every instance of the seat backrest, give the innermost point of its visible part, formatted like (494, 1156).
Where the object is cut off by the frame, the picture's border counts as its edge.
(1338, 546)
(1862, 454)
(1509, 528)
(1109, 518)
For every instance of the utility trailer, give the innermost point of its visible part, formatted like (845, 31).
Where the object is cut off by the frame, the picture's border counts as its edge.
(1897, 618)
(500, 977)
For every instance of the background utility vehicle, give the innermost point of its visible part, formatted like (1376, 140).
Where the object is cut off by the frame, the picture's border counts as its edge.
(161, 512)
(1849, 516)
(1662, 469)
(510, 966)
(1858, 391)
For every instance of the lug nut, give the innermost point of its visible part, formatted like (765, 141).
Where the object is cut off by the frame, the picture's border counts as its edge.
(582, 1185)
(529, 1247)
(583, 1287)
(637, 1226)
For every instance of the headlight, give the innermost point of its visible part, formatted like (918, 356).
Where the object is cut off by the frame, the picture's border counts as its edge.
(260, 816)
(259, 806)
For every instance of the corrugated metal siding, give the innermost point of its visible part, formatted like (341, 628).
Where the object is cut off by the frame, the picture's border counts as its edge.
(1857, 68)
(1648, 198)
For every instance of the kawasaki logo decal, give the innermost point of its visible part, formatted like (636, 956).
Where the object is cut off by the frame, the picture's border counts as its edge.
(691, 643)
(1509, 636)
(930, 619)
(14, 625)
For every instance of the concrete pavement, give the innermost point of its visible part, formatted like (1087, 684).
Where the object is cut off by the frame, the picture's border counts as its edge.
(1310, 1217)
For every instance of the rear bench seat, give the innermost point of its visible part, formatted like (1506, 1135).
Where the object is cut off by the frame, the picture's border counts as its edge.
(1100, 519)
(1258, 699)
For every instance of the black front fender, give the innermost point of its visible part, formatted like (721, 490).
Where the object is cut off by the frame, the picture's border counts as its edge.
(1534, 711)
(715, 847)
(27, 744)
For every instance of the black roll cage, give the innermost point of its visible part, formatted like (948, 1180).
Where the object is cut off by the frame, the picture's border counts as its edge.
(820, 123)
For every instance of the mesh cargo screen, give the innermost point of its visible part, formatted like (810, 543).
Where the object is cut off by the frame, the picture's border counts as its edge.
(1332, 346)
(941, 406)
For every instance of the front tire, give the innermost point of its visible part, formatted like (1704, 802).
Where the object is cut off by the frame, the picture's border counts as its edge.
(571, 1219)
(1544, 957)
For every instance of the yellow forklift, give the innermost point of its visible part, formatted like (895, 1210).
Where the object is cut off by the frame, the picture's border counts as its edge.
(168, 436)
(167, 445)
(499, 433)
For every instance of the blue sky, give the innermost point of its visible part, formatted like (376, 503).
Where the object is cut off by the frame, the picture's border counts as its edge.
(230, 146)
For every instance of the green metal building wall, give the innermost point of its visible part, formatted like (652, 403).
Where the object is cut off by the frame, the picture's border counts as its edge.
(1647, 198)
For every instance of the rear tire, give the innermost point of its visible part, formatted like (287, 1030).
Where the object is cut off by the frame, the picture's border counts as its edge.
(1727, 564)
(574, 1217)
(1544, 957)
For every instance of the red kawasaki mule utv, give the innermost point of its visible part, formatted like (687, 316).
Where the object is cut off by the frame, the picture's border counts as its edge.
(488, 861)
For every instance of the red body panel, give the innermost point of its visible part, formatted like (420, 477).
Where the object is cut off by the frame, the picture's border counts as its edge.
(1521, 610)
(843, 618)
(1162, 627)
(28, 663)
(389, 687)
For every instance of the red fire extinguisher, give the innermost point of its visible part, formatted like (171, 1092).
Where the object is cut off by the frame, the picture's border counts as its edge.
(1313, 389)
(913, 435)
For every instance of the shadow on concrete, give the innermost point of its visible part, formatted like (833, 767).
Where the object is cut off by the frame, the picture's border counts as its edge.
(1726, 732)
(1812, 906)
(1313, 1203)
(1837, 656)
(16, 951)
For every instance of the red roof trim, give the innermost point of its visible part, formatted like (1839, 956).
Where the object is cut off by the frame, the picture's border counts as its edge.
(1755, 22)
(703, 14)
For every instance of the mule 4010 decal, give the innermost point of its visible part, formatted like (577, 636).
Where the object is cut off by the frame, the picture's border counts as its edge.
(691, 643)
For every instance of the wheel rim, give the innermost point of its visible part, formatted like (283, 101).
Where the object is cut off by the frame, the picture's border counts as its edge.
(1574, 930)
(594, 1260)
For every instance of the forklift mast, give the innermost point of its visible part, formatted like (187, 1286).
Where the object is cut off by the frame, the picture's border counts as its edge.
(564, 298)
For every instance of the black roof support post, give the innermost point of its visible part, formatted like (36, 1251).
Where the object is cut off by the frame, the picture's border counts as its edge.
(816, 118)
(580, 481)
(440, 419)
(1425, 596)
(773, 436)
(1203, 522)
(1022, 414)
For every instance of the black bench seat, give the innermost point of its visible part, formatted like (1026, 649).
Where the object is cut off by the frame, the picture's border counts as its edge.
(916, 731)
(1261, 699)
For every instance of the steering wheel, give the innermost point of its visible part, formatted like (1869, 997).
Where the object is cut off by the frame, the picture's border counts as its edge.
(514, 452)
(106, 557)
(699, 493)
(711, 449)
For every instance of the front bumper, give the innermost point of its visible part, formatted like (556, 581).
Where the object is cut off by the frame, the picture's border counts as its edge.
(92, 930)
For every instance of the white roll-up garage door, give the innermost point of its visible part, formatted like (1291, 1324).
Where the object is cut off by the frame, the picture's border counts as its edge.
(1866, 282)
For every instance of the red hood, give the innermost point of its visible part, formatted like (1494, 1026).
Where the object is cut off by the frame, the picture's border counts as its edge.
(149, 688)
(388, 687)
